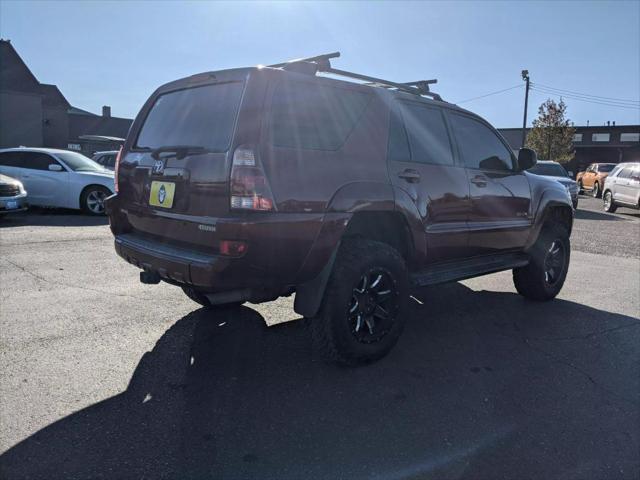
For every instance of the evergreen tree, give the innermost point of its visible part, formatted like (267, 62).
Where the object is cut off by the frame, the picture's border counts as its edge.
(552, 133)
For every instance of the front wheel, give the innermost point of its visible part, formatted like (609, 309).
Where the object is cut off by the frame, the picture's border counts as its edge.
(544, 276)
(596, 190)
(608, 203)
(580, 187)
(364, 307)
(92, 199)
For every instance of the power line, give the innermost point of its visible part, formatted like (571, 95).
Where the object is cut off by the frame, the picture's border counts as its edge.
(489, 94)
(587, 95)
(586, 99)
(598, 102)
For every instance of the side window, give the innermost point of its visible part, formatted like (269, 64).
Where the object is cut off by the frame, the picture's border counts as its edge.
(110, 161)
(10, 159)
(37, 160)
(313, 116)
(625, 173)
(479, 145)
(398, 146)
(428, 135)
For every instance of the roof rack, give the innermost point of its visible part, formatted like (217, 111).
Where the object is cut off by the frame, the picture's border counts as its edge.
(321, 63)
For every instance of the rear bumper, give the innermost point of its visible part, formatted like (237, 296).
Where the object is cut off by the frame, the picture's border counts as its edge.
(171, 263)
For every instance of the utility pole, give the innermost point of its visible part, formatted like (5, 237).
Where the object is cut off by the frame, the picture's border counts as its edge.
(525, 77)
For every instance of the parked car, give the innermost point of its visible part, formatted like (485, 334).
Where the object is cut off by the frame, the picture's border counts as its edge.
(107, 159)
(13, 196)
(592, 179)
(254, 183)
(622, 187)
(59, 178)
(552, 169)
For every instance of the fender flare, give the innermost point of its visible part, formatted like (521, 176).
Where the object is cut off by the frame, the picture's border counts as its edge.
(382, 197)
(550, 198)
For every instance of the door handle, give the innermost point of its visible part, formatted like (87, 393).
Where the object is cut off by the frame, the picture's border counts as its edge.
(411, 176)
(479, 181)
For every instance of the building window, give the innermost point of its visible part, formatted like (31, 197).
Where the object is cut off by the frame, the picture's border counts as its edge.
(577, 137)
(74, 146)
(600, 137)
(630, 137)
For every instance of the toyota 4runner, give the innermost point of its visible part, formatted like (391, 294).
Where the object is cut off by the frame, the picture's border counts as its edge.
(254, 183)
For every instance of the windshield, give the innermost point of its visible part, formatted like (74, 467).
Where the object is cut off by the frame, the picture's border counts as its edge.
(79, 163)
(199, 117)
(549, 170)
(605, 168)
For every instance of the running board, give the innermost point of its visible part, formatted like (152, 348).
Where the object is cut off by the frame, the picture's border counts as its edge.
(474, 267)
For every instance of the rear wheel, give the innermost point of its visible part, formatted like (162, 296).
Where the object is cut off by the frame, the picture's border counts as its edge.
(364, 307)
(596, 190)
(544, 276)
(608, 203)
(202, 299)
(92, 199)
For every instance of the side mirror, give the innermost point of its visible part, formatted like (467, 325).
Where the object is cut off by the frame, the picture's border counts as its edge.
(54, 167)
(527, 158)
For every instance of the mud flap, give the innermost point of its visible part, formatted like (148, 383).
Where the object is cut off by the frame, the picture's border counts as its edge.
(309, 295)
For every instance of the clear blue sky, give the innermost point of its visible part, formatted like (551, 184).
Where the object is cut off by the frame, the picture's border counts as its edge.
(117, 53)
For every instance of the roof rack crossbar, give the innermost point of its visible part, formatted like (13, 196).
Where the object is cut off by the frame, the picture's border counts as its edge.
(321, 63)
(317, 58)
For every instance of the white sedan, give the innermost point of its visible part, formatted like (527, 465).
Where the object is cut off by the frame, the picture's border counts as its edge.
(59, 178)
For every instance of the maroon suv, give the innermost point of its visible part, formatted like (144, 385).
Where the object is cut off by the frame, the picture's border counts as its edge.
(254, 183)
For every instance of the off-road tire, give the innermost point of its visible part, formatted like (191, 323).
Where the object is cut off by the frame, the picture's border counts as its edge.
(596, 190)
(531, 280)
(607, 202)
(93, 192)
(332, 331)
(201, 299)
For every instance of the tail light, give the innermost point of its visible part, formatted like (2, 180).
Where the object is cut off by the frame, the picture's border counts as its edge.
(115, 170)
(250, 188)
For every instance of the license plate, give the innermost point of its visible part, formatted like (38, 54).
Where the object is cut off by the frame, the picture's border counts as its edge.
(11, 205)
(162, 194)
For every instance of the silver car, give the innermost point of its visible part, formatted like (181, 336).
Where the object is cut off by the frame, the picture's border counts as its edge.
(13, 197)
(548, 168)
(622, 187)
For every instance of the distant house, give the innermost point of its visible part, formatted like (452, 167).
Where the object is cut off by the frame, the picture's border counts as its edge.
(605, 144)
(35, 114)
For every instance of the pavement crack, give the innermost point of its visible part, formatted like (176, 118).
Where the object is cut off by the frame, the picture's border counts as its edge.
(587, 335)
(70, 285)
(584, 373)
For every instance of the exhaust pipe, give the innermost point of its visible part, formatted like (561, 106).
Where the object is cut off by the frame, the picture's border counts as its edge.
(149, 278)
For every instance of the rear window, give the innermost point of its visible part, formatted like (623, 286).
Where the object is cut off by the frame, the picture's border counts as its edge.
(549, 170)
(199, 116)
(315, 117)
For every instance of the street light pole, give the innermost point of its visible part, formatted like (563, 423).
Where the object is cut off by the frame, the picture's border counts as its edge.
(525, 77)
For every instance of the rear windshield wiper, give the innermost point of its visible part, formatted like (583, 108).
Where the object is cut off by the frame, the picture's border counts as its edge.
(178, 151)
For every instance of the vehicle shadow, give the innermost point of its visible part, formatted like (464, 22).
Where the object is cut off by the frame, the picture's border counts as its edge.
(591, 215)
(52, 217)
(481, 385)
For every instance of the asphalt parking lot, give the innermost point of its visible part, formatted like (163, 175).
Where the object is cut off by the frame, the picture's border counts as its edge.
(103, 377)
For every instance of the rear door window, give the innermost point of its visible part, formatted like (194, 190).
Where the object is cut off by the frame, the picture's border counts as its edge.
(428, 135)
(314, 116)
(11, 159)
(199, 116)
(480, 147)
(37, 160)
